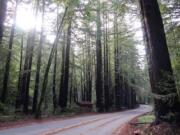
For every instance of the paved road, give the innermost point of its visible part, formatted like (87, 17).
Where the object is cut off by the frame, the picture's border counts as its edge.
(100, 124)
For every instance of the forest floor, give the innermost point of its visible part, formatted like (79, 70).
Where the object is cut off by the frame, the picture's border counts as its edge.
(142, 125)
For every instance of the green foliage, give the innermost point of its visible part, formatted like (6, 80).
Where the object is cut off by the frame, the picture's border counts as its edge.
(170, 117)
(84, 15)
(149, 118)
(169, 12)
(2, 106)
(6, 110)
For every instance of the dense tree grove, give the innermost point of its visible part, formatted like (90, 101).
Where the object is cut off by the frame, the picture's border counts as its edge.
(84, 53)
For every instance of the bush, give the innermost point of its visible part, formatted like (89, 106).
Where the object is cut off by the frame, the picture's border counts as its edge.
(2, 106)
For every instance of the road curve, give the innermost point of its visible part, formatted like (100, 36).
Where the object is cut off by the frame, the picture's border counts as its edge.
(100, 124)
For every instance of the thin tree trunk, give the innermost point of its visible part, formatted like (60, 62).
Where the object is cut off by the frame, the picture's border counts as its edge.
(20, 75)
(8, 61)
(62, 67)
(89, 72)
(27, 71)
(106, 66)
(54, 82)
(45, 80)
(99, 81)
(64, 92)
(28, 64)
(117, 66)
(36, 89)
(72, 79)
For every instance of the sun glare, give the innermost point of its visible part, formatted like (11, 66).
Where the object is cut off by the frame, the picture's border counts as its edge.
(51, 38)
(26, 20)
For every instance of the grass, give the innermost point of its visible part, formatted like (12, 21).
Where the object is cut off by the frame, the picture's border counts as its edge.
(149, 118)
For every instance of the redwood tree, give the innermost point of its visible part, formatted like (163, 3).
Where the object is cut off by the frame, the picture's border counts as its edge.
(45, 79)
(99, 79)
(37, 80)
(161, 74)
(63, 96)
(8, 61)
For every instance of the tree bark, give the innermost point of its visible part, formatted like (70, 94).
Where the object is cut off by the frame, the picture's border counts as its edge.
(28, 64)
(64, 92)
(8, 61)
(161, 74)
(45, 79)
(38, 68)
(99, 78)
(89, 72)
(20, 75)
(106, 66)
(54, 82)
(118, 76)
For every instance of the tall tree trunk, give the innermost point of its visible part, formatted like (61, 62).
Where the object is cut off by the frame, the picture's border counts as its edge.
(20, 75)
(118, 82)
(45, 80)
(3, 9)
(36, 89)
(72, 78)
(89, 72)
(64, 91)
(27, 71)
(8, 61)
(129, 96)
(24, 78)
(81, 85)
(28, 64)
(99, 81)
(106, 66)
(161, 74)
(71, 88)
(54, 82)
(125, 92)
(83, 73)
(62, 67)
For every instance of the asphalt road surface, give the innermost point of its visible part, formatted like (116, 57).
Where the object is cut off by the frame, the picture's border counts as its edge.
(99, 124)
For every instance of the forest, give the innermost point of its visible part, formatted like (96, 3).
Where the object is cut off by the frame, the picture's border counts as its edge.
(63, 56)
